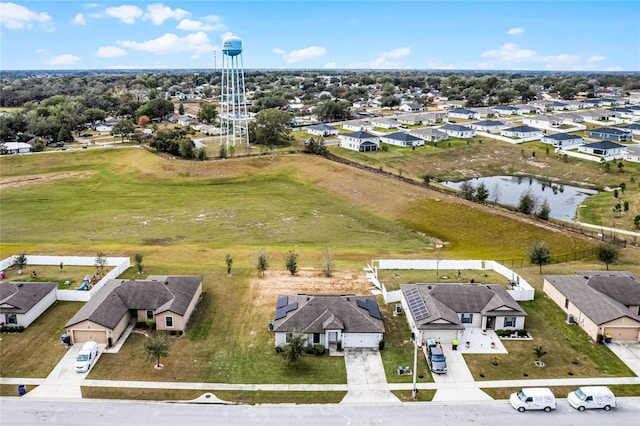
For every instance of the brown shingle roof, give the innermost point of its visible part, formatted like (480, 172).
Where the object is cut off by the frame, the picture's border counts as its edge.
(117, 297)
(315, 313)
(19, 298)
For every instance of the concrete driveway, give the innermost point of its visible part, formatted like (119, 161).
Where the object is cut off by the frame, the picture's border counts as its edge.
(457, 384)
(63, 381)
(629, 353)
(366, 381)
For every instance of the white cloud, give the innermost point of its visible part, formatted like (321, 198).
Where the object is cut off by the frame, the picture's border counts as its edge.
(110, 52)
(158, 13)
(197, 43)
(515, 31)
(126, 13)
(388, 60)
(212, 23)
(79, 19)
(301, 54)
(16, 17)
(63, 60)
(512, 56)
(439, 65)
(41, 51)
(614, 68)
(331, 65)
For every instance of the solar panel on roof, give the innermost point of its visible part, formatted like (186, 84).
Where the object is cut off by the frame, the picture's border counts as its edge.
(416, 303)
(371, 306)
(283, 311)
(282, 302)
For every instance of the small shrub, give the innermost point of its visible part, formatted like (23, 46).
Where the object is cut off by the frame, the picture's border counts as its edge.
(381, 345)
(17, 329)
(523, 333)
(319, 349)
(339, 345)
(279, 349)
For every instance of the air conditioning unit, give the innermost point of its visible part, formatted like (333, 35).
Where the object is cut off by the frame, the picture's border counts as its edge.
(570, 319)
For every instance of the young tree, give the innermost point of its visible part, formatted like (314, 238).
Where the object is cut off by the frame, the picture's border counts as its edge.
(607, 253)
(123, 128)
(291, 262)
(293, 351)
(143, 121)
(636, 221)
(327, 263)
(100, 262)
(467, 189)
(262, 263)
(223, 152)
(157, 346)
(229, 261)
(544, 211)
(20, 261)
(527, 203)
(539, 254)
(539, 352)
(482, 193)
(202, 154)
(181, 109)
(137, 258)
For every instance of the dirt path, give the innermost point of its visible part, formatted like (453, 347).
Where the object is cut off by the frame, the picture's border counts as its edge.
(18, 181)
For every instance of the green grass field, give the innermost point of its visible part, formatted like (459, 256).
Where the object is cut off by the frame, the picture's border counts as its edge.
(185, 217)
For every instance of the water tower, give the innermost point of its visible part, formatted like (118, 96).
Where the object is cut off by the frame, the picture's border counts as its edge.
(234, 128)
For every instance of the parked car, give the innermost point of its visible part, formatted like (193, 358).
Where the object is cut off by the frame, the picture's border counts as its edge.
(592, 397)
(533, 399)
(86, 357)
(437, 360)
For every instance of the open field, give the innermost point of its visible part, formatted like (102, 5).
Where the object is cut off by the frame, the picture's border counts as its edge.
(185, 217)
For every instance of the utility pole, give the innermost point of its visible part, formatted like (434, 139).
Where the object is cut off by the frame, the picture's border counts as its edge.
(415, 369)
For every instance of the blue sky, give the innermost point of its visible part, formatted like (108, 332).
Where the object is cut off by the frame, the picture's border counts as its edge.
(501, 35)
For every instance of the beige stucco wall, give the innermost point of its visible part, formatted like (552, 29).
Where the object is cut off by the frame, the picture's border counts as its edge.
(622, 329)
(179, 322)
(113, 334)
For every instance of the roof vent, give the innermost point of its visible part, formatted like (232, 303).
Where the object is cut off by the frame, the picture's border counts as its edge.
(166, 282)
(429, 287)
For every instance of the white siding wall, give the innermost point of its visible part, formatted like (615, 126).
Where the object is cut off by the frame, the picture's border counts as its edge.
(26, 319)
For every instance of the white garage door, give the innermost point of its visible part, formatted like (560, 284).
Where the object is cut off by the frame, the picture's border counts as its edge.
(81, 336)
(360, 340)
(622, 334)
(442, 336)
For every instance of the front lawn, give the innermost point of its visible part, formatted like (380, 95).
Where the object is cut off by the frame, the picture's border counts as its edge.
(570, 352)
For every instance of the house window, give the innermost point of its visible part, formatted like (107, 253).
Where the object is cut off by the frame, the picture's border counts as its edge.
(168, 322)
(566, 303)
(149, 315)
(11, 319)
(509, 321)
(467, 318)
(316, 338)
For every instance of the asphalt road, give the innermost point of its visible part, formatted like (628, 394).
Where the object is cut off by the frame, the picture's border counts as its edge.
(15, 411)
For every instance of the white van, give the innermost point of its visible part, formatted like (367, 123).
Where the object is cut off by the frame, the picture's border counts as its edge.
(533, 399)
(86, 357)
(592, 397)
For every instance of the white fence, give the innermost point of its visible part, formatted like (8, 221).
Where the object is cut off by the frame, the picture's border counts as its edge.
(520, 289)
(119, 264)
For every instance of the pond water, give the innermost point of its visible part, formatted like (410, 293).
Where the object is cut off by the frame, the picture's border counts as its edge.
(507, 190)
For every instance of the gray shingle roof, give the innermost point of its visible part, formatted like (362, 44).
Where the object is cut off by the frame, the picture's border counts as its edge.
(19, 298)
(604, 145)
(315, 313)
(322, 127)
(401, 136)
(456, 128)
(447, 301)
(527, 129)
(486, 123)
(597, 306)
(117, 297)
(609, 131)
(562, 137)
(360, 135)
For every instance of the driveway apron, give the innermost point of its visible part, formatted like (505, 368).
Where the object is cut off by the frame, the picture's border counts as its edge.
(366, 381)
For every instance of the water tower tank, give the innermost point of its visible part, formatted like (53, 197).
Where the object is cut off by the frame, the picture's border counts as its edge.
(231, 46)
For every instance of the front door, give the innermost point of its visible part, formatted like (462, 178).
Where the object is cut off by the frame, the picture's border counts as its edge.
(491, 323)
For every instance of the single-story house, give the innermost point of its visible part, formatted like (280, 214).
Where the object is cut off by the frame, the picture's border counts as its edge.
(104, 128)
(385, 123)
(431, 135)
(410, 107)
(325, 320)
(402, 139)
(611, 134)
(359, 141)
(596, 114)
(489, 126)
(410, 119)
(168, 301)
(592, 102)
(562, 140)
(522, 132)
(322, 130)
(440, 311)
(632, 154)
(462, 113)
(22, 303)
(543, 120)
(526, 109)
(16, 147)
(433, 117)
(357, 126)
(623, 112)
(605, 149)
(599, 302)
(365, 104)
(457, 131)
(504, 110)
(570, 116)
(634, 128)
